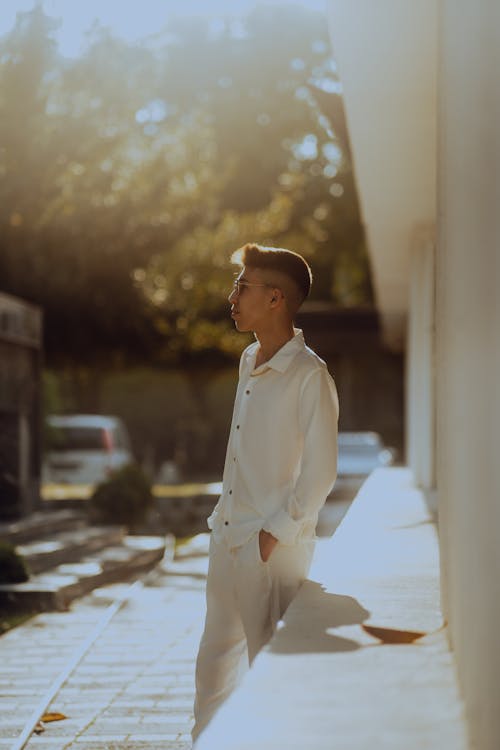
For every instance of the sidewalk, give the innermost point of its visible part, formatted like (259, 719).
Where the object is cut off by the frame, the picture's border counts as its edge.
(133, 689)
(324, 680)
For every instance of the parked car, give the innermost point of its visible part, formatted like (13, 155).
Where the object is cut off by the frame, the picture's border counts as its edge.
(359, 453)
(84, 448)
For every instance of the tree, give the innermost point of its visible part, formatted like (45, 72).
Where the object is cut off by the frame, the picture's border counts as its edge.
(129, 174)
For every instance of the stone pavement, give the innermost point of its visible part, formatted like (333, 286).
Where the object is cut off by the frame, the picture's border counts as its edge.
(134, 688)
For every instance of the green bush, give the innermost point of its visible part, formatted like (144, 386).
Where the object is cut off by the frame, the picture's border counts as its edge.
(12, 566)
(124, 498)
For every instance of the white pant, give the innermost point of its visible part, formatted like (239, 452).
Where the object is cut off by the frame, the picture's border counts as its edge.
(245, 599)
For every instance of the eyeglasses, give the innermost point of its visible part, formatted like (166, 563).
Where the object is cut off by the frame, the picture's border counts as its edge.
(239, 283)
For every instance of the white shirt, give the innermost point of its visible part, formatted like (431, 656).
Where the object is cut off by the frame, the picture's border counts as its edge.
(281, 459)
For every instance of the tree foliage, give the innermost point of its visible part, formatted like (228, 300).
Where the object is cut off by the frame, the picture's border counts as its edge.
(129, 174)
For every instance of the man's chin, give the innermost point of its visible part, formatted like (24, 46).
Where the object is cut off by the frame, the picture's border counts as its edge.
(240, 326)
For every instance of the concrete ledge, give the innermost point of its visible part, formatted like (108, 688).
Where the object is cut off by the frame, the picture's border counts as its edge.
(68, 546)
(41, 523)
(324, 681)
(57, 588)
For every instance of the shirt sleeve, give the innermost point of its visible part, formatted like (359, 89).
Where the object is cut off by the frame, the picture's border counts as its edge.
(318, 419)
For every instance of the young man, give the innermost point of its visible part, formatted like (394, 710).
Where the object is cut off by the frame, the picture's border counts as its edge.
(280, 465)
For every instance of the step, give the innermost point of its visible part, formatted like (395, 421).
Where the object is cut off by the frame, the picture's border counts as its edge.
(41, 524)
(56, 589)
(68, 546)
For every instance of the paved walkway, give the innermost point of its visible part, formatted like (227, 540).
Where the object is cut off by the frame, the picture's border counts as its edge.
(133, 689)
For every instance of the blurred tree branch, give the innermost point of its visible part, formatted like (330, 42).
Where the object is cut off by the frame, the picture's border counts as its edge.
(129, 174)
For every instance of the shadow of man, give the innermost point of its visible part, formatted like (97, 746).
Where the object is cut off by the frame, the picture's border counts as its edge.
(308, 628)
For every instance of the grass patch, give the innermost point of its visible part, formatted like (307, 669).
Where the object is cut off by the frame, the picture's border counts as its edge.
(181, 541)
(10, 620)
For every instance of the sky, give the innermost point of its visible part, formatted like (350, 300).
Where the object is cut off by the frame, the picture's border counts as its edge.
(129, 19)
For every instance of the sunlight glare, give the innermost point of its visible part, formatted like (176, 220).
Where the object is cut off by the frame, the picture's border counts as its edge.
(139, 21)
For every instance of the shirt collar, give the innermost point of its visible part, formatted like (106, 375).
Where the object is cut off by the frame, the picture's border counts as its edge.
(283, 356)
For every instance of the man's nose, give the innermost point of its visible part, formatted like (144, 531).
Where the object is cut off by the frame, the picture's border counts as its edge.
(232, 295)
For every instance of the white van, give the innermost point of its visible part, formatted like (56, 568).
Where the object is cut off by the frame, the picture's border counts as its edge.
(84, 448)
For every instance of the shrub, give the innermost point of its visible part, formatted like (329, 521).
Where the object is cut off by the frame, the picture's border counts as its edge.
(9, 506)
(124, 498)
(12, 566)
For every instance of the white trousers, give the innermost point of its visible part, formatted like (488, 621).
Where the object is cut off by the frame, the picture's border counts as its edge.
(245, 599)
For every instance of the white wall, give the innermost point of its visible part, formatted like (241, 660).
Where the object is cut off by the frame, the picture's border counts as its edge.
(386, 56)
(468, 360)
(420, 361)
(388, 52)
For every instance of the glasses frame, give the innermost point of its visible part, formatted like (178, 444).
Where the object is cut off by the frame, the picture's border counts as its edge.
(237, 283)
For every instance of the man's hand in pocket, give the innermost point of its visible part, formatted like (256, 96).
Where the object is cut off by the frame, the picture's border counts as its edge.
(267, 542)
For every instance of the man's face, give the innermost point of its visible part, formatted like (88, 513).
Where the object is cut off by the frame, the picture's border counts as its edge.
(250, 300)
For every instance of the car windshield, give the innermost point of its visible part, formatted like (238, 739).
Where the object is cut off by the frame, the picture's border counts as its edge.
(359, 450)
(357, 442)
(76, 439)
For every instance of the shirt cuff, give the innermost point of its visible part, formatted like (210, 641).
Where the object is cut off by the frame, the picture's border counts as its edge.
(212, 519)
(283, 527)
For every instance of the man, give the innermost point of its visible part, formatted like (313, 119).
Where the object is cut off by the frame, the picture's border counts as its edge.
(280, 465)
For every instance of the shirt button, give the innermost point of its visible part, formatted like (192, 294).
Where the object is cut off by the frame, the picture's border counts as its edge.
(234, 458)
(247, 392)
(226, 523)
(230, 492)
(237, 427)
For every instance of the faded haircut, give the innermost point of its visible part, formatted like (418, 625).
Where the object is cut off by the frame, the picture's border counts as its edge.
(286, 262)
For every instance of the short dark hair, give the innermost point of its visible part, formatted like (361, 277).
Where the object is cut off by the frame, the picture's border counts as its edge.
(279, 259)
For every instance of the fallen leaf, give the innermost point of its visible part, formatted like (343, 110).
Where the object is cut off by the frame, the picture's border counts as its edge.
(390, 635)
(53, 716)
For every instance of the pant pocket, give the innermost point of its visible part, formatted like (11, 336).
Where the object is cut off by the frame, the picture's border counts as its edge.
(257, 548)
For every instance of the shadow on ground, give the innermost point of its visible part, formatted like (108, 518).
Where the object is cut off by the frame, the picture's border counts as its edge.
(312, 622)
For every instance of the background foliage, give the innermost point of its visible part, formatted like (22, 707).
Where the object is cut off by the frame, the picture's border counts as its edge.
(124, 498)
(128, 175)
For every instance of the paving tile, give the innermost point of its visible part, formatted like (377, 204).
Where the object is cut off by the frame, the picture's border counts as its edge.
(133, 690)
(152, 727)
(152, 737)
(116, 722)
(174, 704)
(8, 732)
(162, 718)
(126, 693)
(128, 745)
(99, 738)
(180, 692)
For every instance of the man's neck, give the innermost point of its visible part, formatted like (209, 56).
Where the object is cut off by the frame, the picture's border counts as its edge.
(271, 342)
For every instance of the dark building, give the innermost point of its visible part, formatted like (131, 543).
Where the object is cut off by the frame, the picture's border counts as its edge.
(369, 377)
(20, 407)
